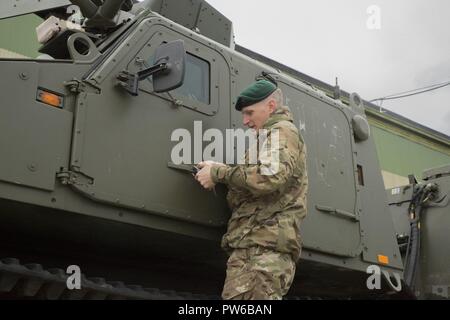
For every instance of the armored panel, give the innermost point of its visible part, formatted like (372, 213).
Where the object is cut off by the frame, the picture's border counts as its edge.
(183, 12)
(125, 143)
(332, 212)
(34, 137)
(199, 16)
(214, 25)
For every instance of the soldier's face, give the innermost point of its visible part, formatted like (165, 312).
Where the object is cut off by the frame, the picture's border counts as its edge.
(256, 115)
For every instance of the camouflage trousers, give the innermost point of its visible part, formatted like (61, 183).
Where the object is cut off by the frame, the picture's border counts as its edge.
(258, 274)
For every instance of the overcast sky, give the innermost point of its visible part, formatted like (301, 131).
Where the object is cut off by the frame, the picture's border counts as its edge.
(330, 38)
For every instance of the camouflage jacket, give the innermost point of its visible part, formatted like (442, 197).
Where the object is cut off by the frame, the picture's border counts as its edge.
(267, 209)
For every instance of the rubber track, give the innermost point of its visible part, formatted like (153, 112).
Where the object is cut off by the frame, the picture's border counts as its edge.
(32, 281)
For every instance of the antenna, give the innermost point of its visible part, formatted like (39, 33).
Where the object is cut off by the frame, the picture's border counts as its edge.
(337, 90)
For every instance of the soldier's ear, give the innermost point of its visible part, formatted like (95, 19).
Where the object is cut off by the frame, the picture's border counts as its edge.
(272, 105)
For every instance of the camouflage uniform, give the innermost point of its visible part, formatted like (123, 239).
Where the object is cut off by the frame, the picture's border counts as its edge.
(263, 233)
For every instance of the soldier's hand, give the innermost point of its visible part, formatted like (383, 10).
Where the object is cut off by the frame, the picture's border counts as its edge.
(204, 175)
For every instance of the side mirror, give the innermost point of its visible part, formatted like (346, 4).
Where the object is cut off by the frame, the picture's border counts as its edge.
(168, 70)
(173, 55)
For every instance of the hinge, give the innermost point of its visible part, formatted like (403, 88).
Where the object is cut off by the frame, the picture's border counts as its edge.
(78, 86)
(68, 177)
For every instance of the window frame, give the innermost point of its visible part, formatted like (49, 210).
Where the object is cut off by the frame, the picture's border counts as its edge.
(194, 48)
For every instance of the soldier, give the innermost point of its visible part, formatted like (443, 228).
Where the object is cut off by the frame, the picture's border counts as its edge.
(263, 236)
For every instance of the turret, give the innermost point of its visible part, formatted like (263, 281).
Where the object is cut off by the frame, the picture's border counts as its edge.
(101, 16)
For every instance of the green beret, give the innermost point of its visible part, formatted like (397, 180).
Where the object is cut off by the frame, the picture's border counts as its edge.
(257, 92)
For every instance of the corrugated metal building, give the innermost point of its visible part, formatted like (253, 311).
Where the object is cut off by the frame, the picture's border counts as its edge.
(404, 147)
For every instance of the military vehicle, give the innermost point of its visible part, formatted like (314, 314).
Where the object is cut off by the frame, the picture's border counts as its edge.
(86, 177)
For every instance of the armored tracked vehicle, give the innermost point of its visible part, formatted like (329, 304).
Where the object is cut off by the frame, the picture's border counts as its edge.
(87, 179)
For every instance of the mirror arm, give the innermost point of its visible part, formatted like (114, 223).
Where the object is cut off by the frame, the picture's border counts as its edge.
(130, 81)
(144, 74)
